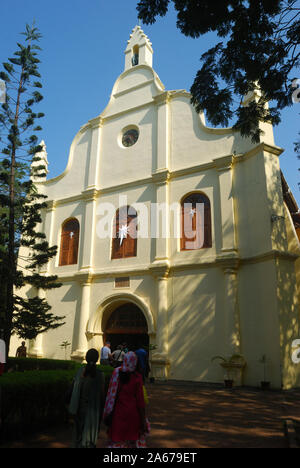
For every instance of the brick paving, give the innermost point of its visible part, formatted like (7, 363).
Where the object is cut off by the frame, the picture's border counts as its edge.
(190, 415)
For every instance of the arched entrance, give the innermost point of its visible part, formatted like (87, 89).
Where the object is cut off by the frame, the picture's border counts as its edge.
(126, 324)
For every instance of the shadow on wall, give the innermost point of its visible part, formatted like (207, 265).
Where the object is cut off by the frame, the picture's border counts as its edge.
(196, 325)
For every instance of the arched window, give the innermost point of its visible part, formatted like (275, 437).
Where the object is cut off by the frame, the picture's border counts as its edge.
(135, 56)
(69, 242)
(195, 222)
(124, 242)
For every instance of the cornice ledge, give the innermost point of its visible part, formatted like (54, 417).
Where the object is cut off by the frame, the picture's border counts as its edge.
(228, 261)
(271, 255)
(160, 268)
(287, 255)
(167, 96)
(95, 122)
(90, 194)
(161, 176)
(162, 98)
(121, 271)
(84, 276)
(51, 205)
(224, 162)
(276, 150)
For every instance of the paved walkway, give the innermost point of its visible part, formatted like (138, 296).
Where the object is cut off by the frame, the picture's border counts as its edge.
(195, 416)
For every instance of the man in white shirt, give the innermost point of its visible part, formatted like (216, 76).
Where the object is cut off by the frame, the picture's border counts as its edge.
(117, 356)
(105, 354)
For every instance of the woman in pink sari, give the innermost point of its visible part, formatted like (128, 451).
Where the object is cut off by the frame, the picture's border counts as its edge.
(125, 406)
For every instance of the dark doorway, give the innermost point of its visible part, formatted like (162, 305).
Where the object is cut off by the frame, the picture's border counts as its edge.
(127, 324)
(133, 341)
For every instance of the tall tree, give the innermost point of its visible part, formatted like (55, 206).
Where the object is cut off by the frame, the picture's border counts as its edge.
(259, 50)
(23, 249)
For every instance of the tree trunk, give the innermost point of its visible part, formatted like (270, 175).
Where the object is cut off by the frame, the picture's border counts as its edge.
(11, 227)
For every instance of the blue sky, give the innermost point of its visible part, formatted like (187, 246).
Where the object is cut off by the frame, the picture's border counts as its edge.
(83, 54)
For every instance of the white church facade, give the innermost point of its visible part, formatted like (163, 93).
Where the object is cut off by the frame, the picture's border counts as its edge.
(172, 233)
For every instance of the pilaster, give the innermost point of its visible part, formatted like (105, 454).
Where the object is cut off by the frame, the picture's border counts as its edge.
(232, 339)
(94, 159)
(88, 230)
(224, 168)
(163, 131)
(160, 362)
(160, 225)
(82, 338)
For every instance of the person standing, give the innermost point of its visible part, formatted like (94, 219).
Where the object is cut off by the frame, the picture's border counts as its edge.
(87, 402)
(22, 350)
(124, 410)
(105, 355)
(142, 366)
(2, 356)
(117, 356)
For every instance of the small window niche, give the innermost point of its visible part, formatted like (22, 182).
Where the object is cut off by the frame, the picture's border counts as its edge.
(135, 56)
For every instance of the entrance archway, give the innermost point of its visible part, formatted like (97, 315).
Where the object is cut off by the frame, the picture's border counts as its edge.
(96, 329)
(126, 324)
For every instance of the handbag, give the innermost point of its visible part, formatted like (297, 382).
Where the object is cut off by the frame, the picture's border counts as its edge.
(115, 362)
(146, 399)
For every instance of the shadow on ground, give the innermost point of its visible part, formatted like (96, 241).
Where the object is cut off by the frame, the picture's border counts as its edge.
(196, 416)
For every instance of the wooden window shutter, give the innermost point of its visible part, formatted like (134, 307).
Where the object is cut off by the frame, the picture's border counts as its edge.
(196, 229)
(64, 249)
(188, 226)
(130, 242)
(207, 225)
(116, 247)
(74, 242)
(127, 246)
(69, 243)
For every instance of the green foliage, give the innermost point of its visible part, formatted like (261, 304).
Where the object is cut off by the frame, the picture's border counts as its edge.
(35, 399)
(23, 249)
(26, 364)
(259, 51)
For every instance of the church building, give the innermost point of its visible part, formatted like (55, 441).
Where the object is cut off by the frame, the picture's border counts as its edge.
(175, 235)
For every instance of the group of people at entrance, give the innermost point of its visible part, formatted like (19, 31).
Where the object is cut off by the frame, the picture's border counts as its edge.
(115, 358)
(123, 407)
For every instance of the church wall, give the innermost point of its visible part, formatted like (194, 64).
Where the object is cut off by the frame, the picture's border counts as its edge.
(65, 301)
(126, 101)
(119, 165)
(129, 80)
(293, 247)
(275, 201)
(259, 321)
(253, 216)
(193, 143)
(190, 145)
(196, 324)
(72, 181)
(288, 306)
